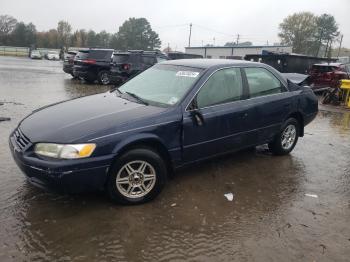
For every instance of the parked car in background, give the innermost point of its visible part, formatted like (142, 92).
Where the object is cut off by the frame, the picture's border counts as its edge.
(126, 65)
(93, 64)
(323, 76)
(176, 113)
(180, 55)
(53, 55)
(68, 62)
(35, 54)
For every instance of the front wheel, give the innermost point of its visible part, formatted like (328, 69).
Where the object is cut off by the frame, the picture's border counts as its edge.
(136, 177)
(286, 140)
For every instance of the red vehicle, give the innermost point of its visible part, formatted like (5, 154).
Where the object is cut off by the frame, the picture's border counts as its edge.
(323, 76)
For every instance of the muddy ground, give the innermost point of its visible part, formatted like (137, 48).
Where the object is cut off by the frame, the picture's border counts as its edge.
(269, 219)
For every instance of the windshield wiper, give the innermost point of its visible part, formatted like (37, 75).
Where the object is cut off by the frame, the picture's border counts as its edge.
(116, 88)
(137, 98)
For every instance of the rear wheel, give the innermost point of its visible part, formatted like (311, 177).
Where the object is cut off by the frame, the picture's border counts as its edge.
(104, 77)
(136, 177)
(286, 140)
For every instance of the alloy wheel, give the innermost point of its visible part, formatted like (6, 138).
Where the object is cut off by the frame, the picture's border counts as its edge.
(288, 137)
(136, 179)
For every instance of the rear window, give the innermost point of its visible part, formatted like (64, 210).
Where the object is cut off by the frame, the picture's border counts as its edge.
(323, 69)
(120, 59)
(94, 54)
(100, 54)
(82, 55)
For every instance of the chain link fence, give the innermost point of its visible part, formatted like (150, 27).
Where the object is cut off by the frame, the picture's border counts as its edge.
(14, 51)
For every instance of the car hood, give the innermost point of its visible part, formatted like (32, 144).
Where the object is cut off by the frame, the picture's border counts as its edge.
(83, 118)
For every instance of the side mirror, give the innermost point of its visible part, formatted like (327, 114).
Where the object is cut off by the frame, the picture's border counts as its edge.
(197, 117)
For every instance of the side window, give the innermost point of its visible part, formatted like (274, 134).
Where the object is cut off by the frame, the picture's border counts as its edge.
(160, 59)
(222, 87)
(148, 60)
(261, 82)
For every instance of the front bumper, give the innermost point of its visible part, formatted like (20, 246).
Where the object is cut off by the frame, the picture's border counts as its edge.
(65, 176)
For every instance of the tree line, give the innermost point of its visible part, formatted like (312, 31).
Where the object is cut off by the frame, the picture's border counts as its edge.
(134, 33)
(310, 34)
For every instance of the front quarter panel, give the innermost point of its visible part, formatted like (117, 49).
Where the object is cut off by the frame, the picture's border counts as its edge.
(166, 130)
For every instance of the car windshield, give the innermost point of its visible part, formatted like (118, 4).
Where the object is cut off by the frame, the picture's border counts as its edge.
(53, 52)
(162, 85)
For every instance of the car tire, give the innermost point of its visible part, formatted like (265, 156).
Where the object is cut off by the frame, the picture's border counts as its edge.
(104, 77)
(285, 141)
(136, 177)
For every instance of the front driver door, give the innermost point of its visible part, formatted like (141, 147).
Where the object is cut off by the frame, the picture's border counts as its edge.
(215, 121)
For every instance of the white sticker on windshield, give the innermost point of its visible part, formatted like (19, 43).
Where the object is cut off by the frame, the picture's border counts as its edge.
(172, 100)
(187, 73)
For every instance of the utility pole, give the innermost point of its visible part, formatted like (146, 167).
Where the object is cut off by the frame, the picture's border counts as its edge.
(214, 41)
(341, 41)
(189, 38)
(237, 41)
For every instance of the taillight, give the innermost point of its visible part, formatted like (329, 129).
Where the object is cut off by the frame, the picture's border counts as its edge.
(126, 66)
(89, 61)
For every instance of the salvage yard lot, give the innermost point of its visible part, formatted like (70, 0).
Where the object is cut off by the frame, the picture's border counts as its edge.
(294, 207)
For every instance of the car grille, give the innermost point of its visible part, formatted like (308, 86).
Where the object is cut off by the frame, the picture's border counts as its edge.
(22, 142)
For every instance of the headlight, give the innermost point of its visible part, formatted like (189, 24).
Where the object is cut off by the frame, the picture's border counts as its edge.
(64, 151)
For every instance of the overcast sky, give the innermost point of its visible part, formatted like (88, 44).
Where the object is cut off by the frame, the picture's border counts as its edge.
(254, 20)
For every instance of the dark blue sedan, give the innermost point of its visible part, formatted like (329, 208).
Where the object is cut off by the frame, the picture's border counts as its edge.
(176, 113)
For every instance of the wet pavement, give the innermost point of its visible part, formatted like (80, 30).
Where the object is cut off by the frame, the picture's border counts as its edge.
(269, 219)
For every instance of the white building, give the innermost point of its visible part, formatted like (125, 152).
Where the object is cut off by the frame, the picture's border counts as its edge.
(235, 52)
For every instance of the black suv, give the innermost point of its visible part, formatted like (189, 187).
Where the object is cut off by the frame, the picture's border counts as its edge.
(126, 65)
(93, 64)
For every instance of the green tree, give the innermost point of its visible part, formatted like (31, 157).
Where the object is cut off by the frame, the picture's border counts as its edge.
(23, 35)
(103, 39)
(64, 33)
(136, 33)
(326, 33)
(91, 39)
(7, 25)
(298, 30)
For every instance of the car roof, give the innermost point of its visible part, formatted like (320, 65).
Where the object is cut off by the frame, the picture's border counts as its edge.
(138, 52)
(207, 63)
(95, 49)
(328, 64)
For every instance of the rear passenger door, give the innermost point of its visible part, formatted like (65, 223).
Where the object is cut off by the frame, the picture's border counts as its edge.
(271, 99)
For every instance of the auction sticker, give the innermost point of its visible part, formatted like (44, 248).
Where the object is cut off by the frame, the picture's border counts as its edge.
(187, 73)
